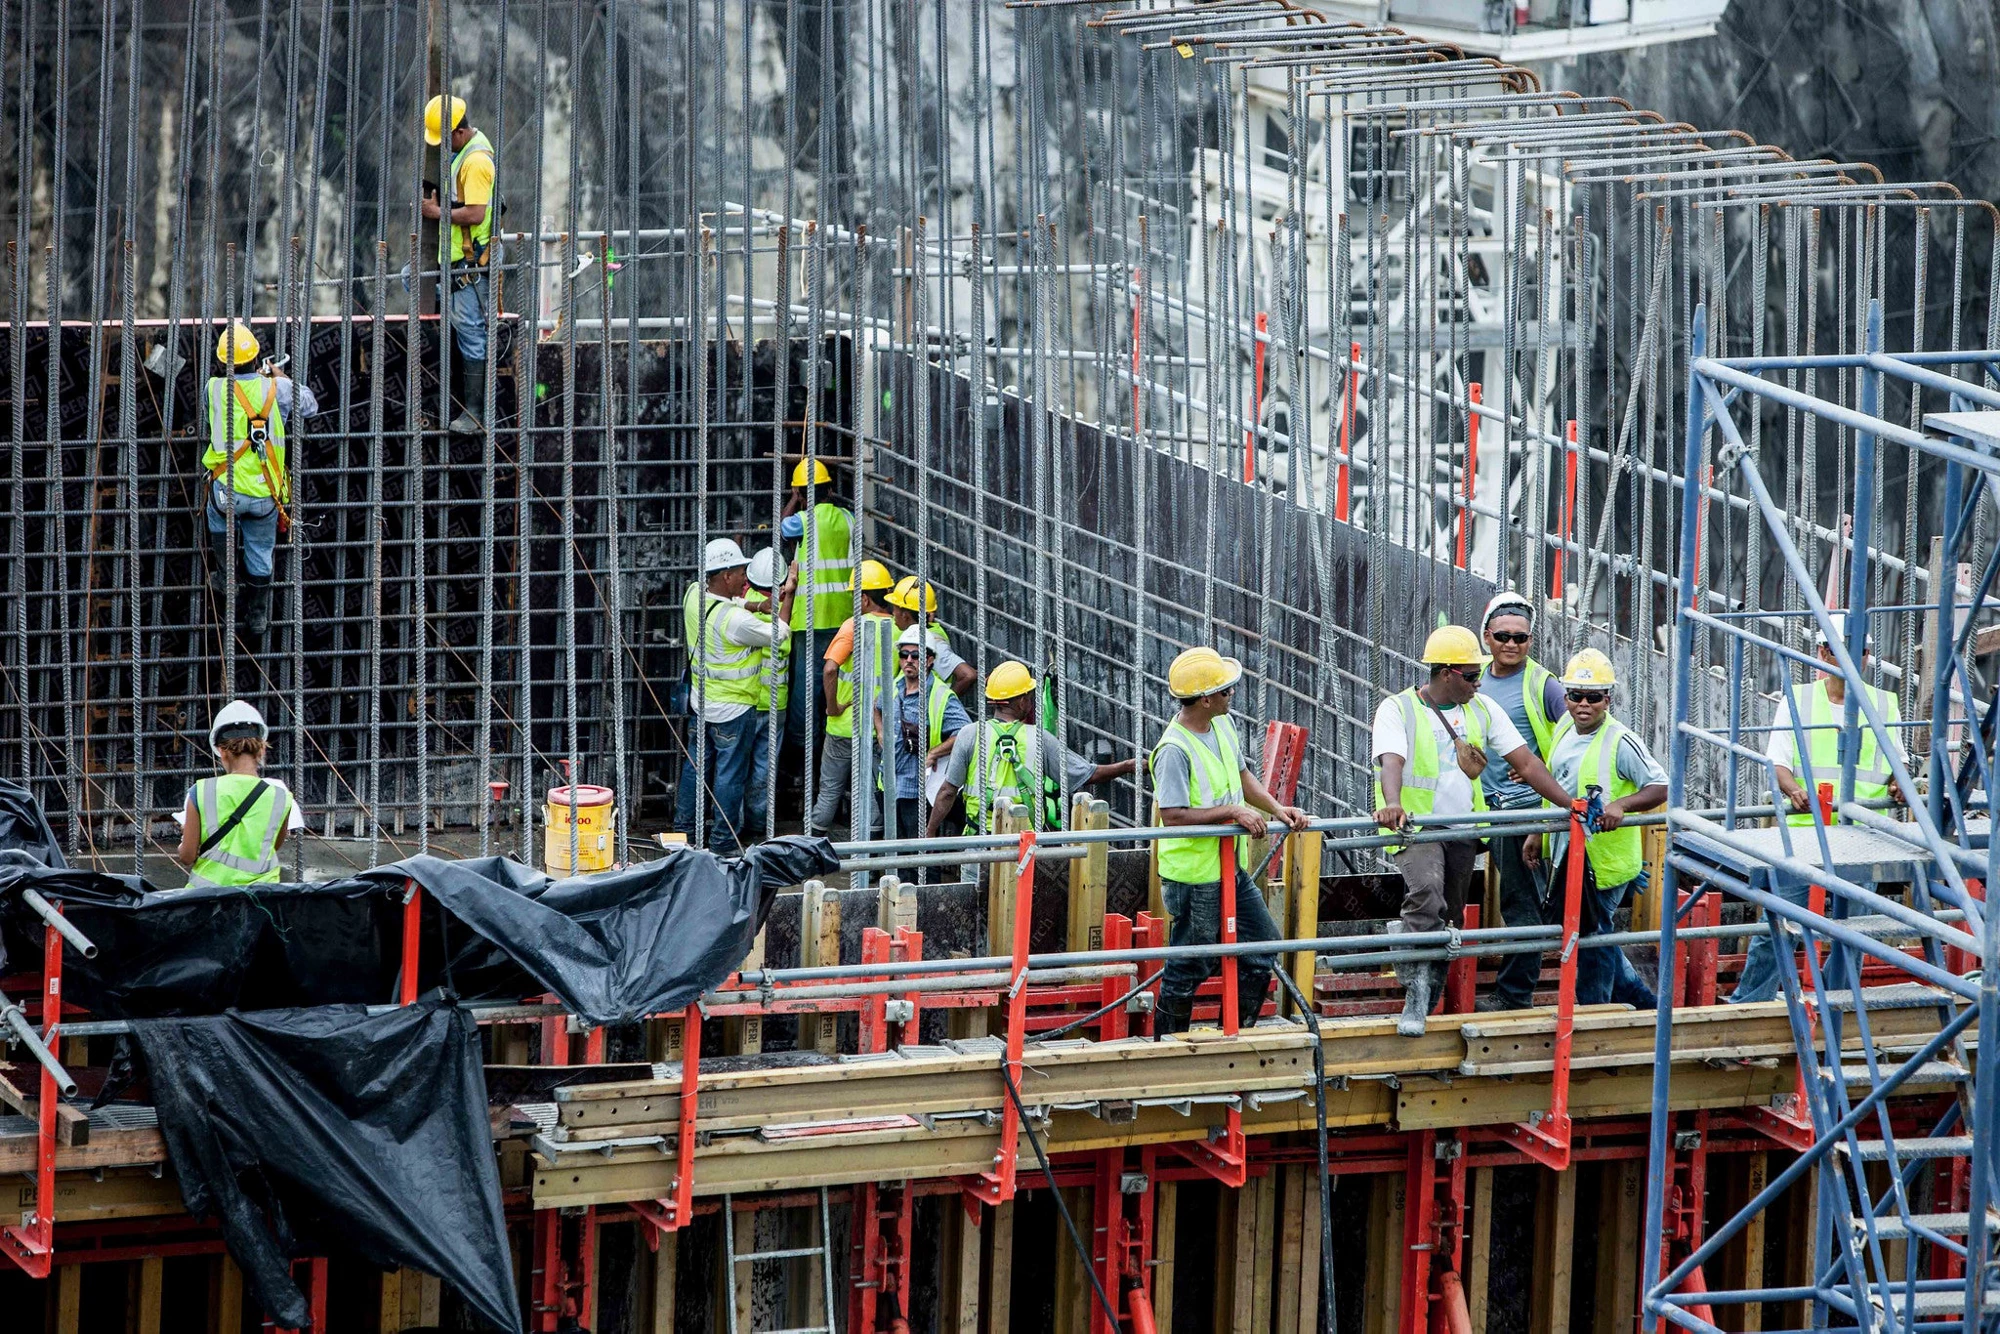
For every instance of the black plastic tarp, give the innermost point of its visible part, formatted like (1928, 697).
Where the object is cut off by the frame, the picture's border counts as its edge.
(325, 1131)
(23, 827)
(614, 946)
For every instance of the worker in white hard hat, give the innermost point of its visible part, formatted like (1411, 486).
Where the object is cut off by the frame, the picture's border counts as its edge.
(247, 404)
(1821, 716)
(725, 643)
(1202, 776)
(773, 586)
(927, 718)
(465, 233)
(1591, 748)
(821, 531)
(860, 663)
(234, 825)
(1531, 697)
(1431, 744)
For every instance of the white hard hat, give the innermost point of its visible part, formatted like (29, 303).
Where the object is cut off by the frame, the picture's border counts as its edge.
(723, 554)
(1840, 627)
(1508, 603)
(235, 720)
(910, 638)
(764, 567)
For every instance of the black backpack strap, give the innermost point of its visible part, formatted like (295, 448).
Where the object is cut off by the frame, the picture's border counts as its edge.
(236, 816)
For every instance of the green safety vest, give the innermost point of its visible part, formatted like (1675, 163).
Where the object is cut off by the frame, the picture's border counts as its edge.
(1616, 855)
(883, 639)
(247, 854)
(1532, 690)
(1212, 781)
(827, 599)
(1423, 767)
(481, 232)
(1007, 759)
(723, 672)
(777, 667)
(252, 431)
(1823, 746)
(934, 707)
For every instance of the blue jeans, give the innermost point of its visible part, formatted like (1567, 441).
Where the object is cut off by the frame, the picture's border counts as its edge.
(731, 754)
(256, 530)
(1759, 980)
(756, 809)
(468, 317)
(1197, 914)
(1604, 974)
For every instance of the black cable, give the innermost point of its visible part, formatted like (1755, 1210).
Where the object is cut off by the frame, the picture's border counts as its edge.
(1075, 1239)
(1326, 1314)
(1101, 1010)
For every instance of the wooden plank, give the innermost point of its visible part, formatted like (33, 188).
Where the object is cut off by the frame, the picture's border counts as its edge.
(1089, 876)
(819, 944)
(665, 1273)
(1002, 883)
(228, 1296)
(895, 904)
(744, 1034)
(1555, 1247)
(1264, 1191)
(148, 1281)
(1302, 872)
(1309, 1260)
(1382, 1295)
(1166, 1227)
(389, 1306)
(999, 1285)
(1756, 1175)
(72, 1122)
(1291, 1244)
(1479, 1268)
(1617, 1245)
(69, 1299)
(958, 1304)
(1229, 1211)
(1073, 1291)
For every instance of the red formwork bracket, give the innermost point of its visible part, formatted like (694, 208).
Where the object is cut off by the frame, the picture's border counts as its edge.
(1224, 1155)
(1545, 1136)
(1284, 757)
(676, 1210)
(31, 1245)
(880, 1250)
(995, 1186)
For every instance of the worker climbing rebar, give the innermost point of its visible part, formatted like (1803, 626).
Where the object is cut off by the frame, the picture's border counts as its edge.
(463, 252)
(248, 468)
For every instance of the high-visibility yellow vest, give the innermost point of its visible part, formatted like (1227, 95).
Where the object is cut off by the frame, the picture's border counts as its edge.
(247, 854)
(1213, 780)
(1616, 855)
(1006, 770)
(1533, 689)
(1424, 765)
(874, 633)
(473, 238)
(1822, 719)
(934, 707)
(724, 672)
(826, 599)
(777, 668)
(250, 428)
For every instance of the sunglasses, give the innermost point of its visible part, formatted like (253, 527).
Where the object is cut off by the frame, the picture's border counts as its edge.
(1471, 674)
(907, 652)
(1510, 637)
(1587, 696)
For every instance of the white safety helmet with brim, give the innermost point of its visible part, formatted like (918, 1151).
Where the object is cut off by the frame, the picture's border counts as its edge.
(764, 567)
(910, 638)
(723, 554)
(1840, 627)
(236, 721)
(1507, 603)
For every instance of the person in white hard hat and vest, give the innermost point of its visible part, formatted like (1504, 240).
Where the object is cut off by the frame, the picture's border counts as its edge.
(465, 236)
(725, 646)
(772, 590)
(249, 483)
(1529, 694)
(1593, 749)
(234, 825)
(927, 716)
(1200, 777)
(823, 553)
(956, 672)
(1008, 760)
(863, 652)
(1822, 720)
(1431, 744)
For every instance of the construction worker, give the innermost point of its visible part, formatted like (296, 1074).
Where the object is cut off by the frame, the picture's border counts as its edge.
(463, 250)
(774, 682)
(234, 825)
(1532, 699)
(725, 646)
(249, 481)
(928, 718)
(1008, 760)
(828, 601)
(1590, 749)
(1200, 778)
(1822, 717)
(1415, 730)
(959, 674)
(837, 685)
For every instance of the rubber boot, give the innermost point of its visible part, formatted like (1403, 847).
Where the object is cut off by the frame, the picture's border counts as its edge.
(1167, 1021)
(256, 599)
(218, 561)
(1416, 980)
(470, 419)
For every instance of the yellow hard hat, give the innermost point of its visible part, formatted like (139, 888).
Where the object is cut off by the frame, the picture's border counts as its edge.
(1589, 670)
(1202, 671)
(1010, 680)
(873, 576)
(820, 475)
(1452, 646)
(434, 118)
(246, 344)
(905, 596)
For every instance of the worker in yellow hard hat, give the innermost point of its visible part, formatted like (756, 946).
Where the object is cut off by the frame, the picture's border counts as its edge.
(465, 224)
(860, 663)
(1201, 776)
(249, 479)
(1591, 749)
(822, 533)
(1009, 761)
(1431, 744)
(953, 670)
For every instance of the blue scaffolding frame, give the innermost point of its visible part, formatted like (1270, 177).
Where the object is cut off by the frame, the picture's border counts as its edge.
(1846, 855)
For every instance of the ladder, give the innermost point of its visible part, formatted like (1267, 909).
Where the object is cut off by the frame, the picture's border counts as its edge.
(819, 1252)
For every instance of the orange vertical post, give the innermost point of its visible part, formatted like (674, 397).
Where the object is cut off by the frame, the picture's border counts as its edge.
(1256, 398)
(1472, 395)
(1346, 433)
(1569, 504)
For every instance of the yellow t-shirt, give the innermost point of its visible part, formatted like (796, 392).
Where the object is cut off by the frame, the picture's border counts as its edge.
(475, 179)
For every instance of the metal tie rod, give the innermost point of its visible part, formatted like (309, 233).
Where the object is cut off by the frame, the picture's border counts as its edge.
(17, 1019)
(62, 925)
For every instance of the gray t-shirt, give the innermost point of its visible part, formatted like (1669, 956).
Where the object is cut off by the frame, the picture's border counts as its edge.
(1506, 692)
(958, 765)
(1173, 779)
